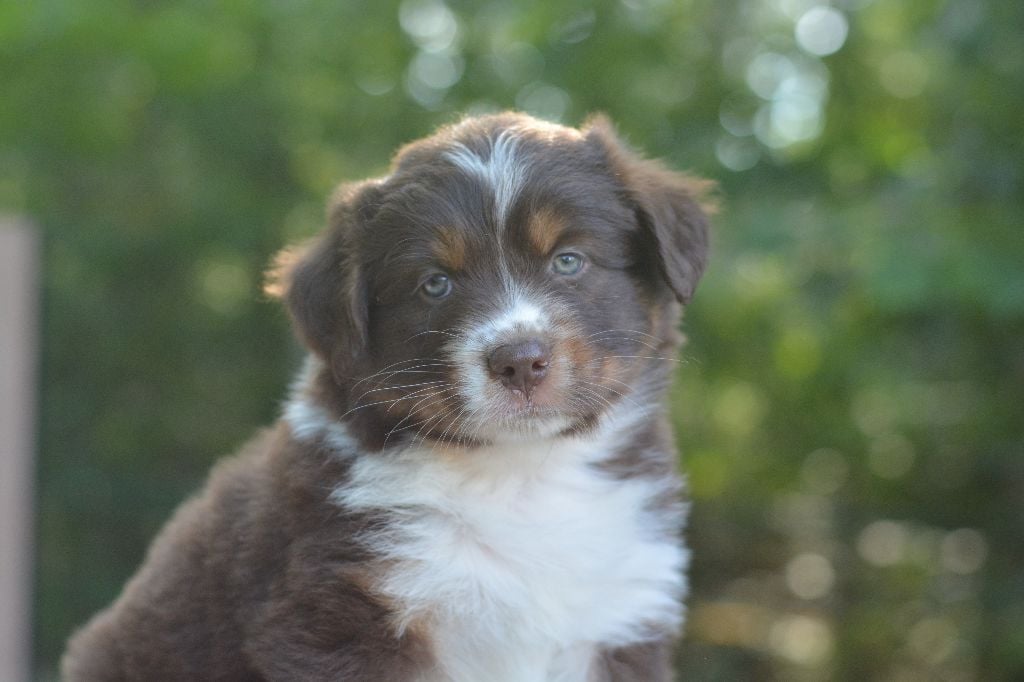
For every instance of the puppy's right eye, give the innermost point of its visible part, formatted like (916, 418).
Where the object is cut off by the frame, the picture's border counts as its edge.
(436, 286)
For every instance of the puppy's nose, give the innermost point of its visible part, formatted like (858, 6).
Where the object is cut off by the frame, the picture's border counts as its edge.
(521, 365)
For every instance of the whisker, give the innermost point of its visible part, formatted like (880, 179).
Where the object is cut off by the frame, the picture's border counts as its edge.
(479, 424)
(626, 338)
(420, 394)
(642, 357)
(626, 331)
(454, 421)
(437, 331)
(609, 388)
(471, 418)
(427, 362)
(629, 387)
(423, 422)
(437, 418)
(395, 388)
(597, 396)
(398, 427)
(416, 406)
(383, 376)
(414, 394)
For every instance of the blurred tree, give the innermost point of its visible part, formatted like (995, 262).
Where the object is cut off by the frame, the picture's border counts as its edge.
(850, 410)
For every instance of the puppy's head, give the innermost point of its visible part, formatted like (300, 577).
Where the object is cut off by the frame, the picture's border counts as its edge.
(509, 278)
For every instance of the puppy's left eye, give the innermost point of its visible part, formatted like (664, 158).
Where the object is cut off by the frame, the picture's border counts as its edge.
(567, 263)
(436, 286)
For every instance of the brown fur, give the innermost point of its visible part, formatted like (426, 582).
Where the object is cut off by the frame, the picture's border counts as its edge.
(261, 576)
(256, 578)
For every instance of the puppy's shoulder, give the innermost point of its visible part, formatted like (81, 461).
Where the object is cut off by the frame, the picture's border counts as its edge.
(207, 563)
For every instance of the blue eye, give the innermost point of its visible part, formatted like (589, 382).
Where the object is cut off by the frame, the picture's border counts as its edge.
(436, 286)
(567, 263)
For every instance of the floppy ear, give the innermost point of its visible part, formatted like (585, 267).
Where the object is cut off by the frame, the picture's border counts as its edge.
(323, 287)
(671, 207)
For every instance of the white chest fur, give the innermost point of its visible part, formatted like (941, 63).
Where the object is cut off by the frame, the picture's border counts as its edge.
(520, 559)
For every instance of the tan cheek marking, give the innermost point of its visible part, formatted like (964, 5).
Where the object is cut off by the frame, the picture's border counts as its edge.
(450, 249)
(582, 358)
(656, 320)
(544, 229)
(664, 326)
(597, 365)
(613, 370)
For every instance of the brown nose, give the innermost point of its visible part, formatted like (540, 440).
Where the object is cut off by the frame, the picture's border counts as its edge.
(521, 365)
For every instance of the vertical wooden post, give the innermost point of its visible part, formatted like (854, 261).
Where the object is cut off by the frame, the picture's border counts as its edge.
(19, 303)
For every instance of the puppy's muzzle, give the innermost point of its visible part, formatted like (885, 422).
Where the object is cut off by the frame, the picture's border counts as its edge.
(521, 365)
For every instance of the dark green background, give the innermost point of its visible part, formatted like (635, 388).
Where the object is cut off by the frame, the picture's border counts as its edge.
(851, 404)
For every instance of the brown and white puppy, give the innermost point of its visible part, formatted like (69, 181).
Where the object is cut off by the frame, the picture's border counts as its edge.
(474, 479)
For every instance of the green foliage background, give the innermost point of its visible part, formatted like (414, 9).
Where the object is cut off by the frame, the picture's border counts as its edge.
(851, 405)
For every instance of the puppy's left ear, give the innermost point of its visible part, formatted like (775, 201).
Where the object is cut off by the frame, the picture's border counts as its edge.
(671, 207)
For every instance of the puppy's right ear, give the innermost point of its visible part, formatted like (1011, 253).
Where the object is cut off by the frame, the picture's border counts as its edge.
(322, 285)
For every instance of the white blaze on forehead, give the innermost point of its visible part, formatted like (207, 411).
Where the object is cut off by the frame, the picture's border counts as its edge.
(502, 170)
(520, 314)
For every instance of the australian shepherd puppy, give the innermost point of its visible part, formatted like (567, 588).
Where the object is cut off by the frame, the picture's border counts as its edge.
(474, 479)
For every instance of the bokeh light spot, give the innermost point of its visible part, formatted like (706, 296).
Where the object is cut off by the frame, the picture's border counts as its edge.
(875, 411)
(544, 100)
(739, 408)
(430, 23)
(824, 471)
(803, 639)
(810, 576)
(707, 474)
(737, 153)
(223, 284)
(797, 353)
(731, 623)
(821, 31)
(933, 639)
(904, 74)
(883, 543)
(767, 71)
(963, 551)
(891, 455)
(436, 71)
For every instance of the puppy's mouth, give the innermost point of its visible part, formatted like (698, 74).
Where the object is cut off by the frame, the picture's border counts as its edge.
(526, 408)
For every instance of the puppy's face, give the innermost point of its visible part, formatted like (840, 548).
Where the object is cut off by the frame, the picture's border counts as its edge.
(510, 278)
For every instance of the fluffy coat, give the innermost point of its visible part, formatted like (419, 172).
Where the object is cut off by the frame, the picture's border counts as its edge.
(474, 478)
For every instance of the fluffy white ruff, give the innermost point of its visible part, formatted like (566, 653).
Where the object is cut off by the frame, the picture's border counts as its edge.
(518, 560)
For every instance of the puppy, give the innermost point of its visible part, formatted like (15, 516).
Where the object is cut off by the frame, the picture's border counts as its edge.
(474, 479)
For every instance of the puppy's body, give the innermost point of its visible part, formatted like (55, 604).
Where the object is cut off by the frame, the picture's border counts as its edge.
(474, 478)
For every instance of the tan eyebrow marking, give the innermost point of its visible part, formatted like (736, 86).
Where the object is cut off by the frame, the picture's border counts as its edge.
(449, 247)
(544, 229)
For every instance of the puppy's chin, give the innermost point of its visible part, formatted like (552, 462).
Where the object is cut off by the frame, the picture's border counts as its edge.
(510, 416)
(526, 424)
(505, 414)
